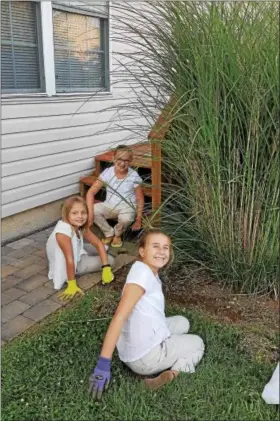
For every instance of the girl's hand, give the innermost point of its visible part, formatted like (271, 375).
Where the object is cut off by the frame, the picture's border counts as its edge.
(107, 274)
(71, 291)
(94, 240)
(137, 225)
(100, 378)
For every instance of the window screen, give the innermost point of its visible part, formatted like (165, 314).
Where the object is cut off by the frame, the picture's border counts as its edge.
(78, 51)
(20, 66)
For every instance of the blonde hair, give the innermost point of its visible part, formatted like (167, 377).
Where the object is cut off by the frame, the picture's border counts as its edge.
(143, 241)
(123, 148)
(68, 205)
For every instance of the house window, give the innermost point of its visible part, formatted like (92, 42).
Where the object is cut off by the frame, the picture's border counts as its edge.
(80, 49)
(20, 47)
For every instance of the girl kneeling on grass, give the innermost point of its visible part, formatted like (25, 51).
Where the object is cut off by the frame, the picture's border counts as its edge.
(147, 342)
(67, 253)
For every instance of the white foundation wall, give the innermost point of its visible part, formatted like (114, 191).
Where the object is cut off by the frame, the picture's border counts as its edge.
(22, 224)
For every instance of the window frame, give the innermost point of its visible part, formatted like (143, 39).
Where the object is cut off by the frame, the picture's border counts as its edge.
(42, 88)
(46, 58)
(104, 21)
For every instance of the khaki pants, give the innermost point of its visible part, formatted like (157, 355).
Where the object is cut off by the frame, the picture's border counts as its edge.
(102, 211)
(180, 352)
(91, 262)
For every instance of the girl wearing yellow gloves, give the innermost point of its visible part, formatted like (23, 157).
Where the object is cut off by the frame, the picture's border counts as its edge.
(68, 255)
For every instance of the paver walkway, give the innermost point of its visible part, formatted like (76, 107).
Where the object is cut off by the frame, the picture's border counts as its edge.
(27, 296)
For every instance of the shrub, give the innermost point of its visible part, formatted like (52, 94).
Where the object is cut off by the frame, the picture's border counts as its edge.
(219, 64)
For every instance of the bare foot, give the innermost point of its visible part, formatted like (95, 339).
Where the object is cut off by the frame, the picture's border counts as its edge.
(161, 380)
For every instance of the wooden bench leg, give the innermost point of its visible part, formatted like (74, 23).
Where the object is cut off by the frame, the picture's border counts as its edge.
(156, 181)
(82, 190)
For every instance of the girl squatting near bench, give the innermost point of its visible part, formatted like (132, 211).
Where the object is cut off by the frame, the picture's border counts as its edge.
(124, 198)
(67, 253)
(148, 342)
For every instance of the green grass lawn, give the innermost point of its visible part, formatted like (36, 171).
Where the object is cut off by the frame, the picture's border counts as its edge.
(45, 374)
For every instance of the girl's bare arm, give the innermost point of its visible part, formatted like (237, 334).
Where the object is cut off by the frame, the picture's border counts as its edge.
(94, 240)
(65, 244)
(131, 295)
(90, 198)
(140, 202)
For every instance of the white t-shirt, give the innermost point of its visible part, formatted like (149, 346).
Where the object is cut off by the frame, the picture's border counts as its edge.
(117, 189)
(57, 262)
(271, 391)
(146, 326)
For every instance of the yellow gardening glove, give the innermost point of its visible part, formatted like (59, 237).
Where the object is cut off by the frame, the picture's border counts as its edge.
(71, 291)
(107, 274)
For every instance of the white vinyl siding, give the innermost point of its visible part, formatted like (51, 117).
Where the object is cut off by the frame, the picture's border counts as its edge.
(43, 156)
(20, 47)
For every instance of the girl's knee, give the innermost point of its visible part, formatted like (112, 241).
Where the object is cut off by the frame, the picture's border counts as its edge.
(98, 209)
(178, 325)
(198, 344)
(183, 323)
(125, 220)
(194, 351)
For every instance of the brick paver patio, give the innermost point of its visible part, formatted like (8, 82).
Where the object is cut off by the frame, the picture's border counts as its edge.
(27, 296)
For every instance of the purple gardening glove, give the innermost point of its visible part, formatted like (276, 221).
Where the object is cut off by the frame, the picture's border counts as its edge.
(99, 380)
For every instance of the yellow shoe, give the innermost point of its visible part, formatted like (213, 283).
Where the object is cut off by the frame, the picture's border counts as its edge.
(117, 242)
(107, 240)
(117, 245)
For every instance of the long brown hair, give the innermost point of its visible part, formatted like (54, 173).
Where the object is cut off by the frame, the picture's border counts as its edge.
(143, 241)
(68, 205)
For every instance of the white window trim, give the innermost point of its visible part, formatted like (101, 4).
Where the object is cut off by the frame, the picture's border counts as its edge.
(48, 47)
(46, 11)
(110, 51)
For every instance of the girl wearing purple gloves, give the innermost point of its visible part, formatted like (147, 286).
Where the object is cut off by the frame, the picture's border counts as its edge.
(148, 342)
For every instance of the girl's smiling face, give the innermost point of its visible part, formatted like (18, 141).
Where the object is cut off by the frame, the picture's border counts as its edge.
(78, 215)
(123, 159)
(156, 252)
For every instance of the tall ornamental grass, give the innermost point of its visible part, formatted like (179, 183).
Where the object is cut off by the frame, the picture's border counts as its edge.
(217, 64)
